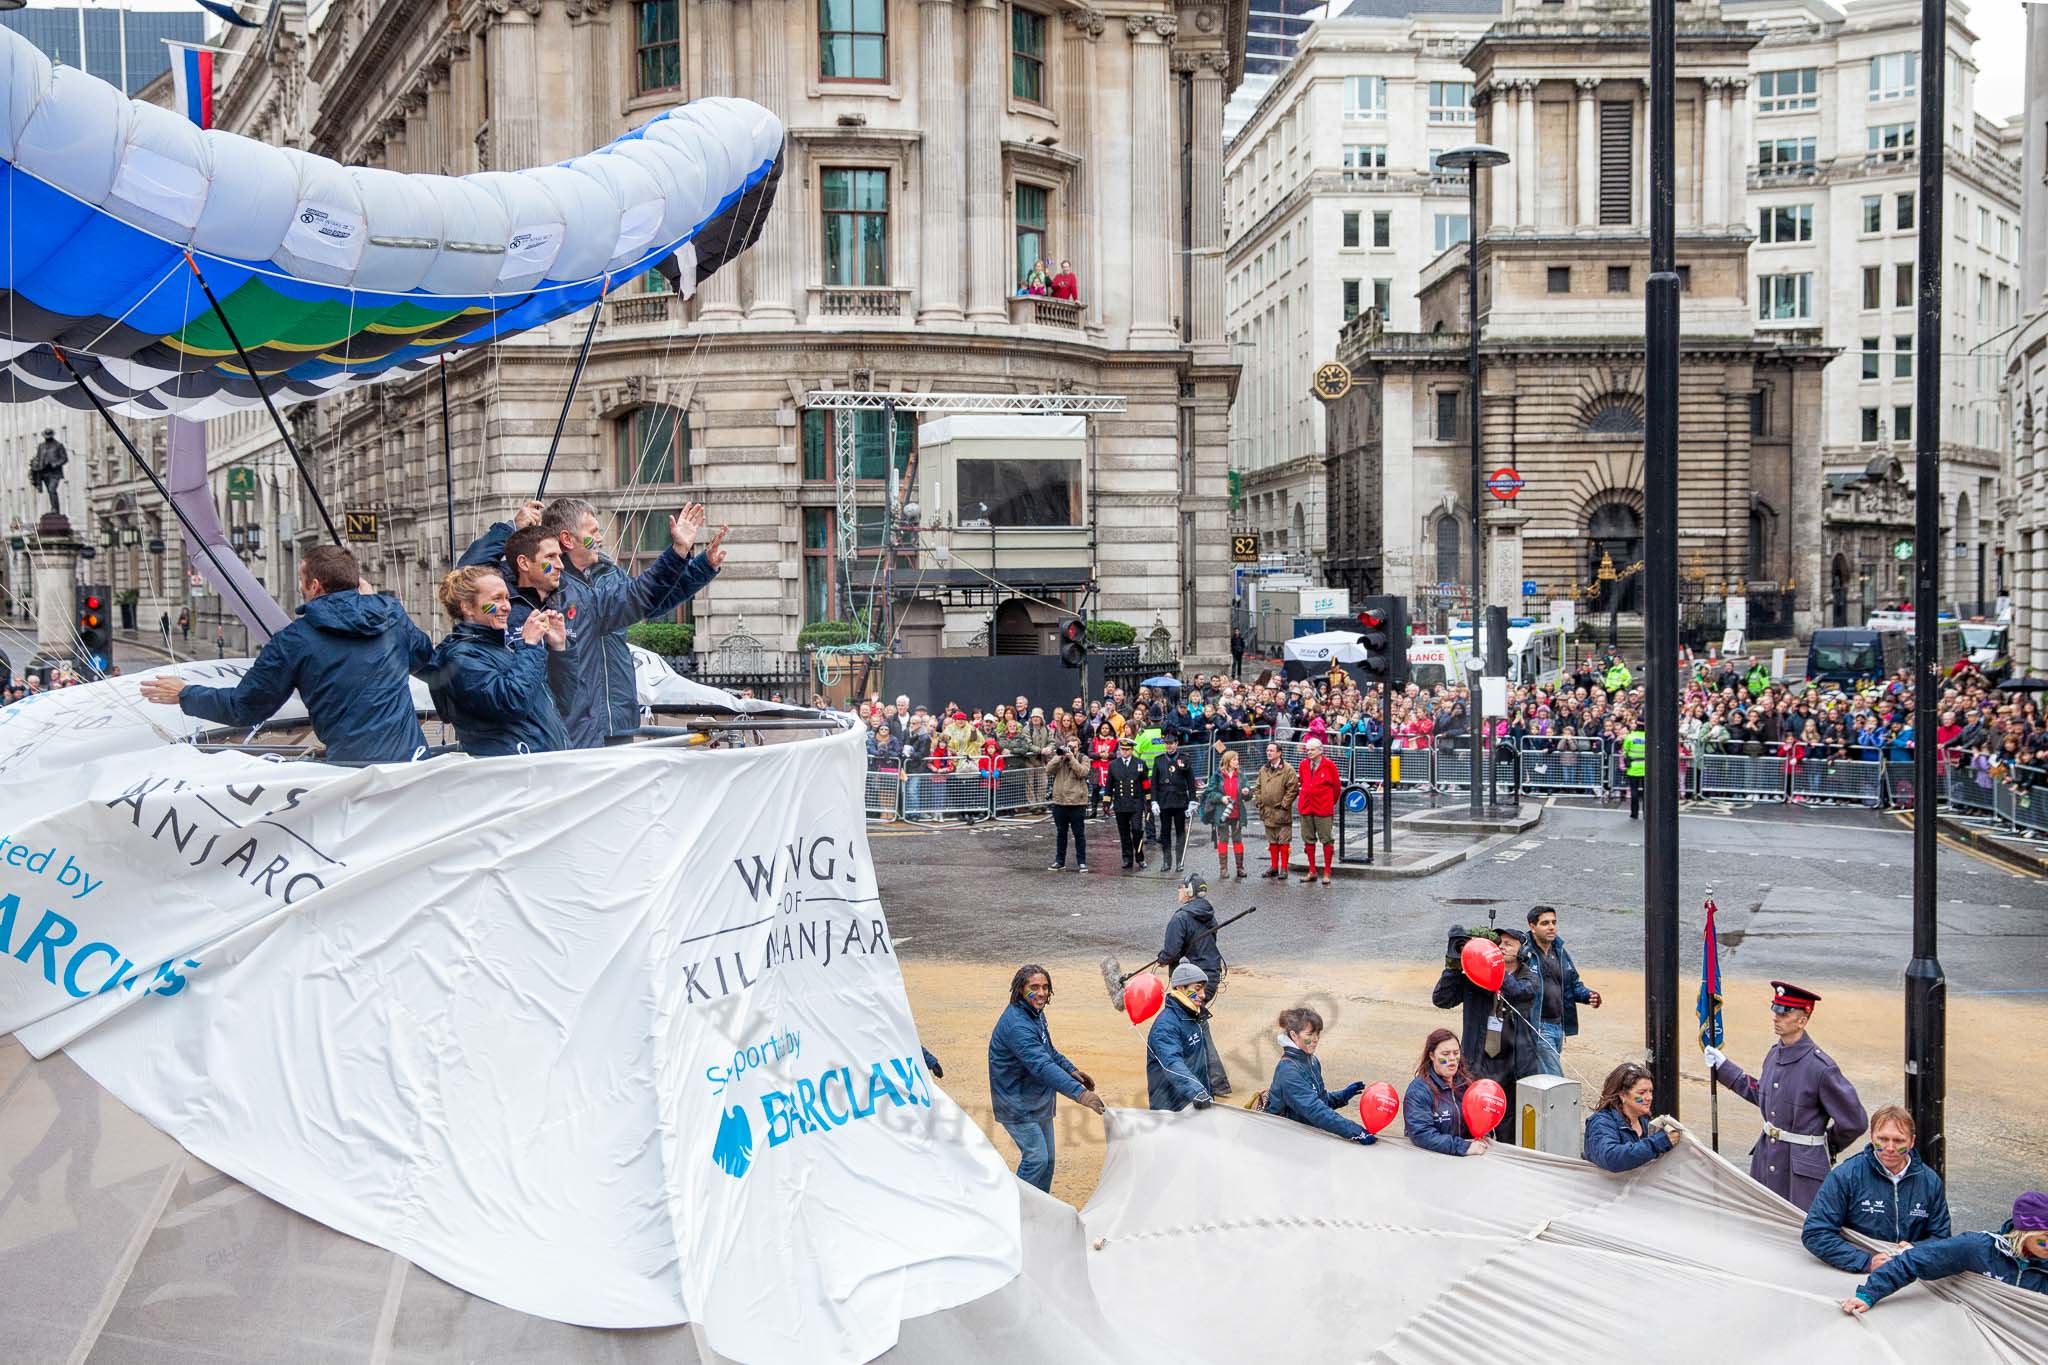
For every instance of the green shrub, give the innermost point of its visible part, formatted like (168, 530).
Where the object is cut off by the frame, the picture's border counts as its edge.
(668, 638)
(828, 633)
(1104, 632)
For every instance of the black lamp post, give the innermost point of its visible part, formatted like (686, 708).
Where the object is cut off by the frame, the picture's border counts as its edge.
(1471, 160)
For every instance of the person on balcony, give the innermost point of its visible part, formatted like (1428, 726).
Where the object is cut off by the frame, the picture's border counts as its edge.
(1064, 284)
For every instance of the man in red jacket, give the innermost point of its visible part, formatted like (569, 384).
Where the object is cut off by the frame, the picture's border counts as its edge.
(1320, 787)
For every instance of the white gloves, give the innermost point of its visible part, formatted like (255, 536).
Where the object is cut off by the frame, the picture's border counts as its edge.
(1155, 808)
(1714, 1057)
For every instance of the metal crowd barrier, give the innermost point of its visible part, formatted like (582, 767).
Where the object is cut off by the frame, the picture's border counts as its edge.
(1754, 778)
(1547, 768)
(2029, 806)
(954, 793)
(1966, 792)
(1839, 779)
(884, 790)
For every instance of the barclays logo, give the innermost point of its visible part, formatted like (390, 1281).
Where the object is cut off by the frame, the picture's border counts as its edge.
(819, 1104)
(733, 1151)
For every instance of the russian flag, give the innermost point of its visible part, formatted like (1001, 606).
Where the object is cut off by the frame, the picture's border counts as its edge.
(192, 74)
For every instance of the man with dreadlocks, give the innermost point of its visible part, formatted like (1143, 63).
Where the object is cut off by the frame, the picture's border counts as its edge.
(592, 677)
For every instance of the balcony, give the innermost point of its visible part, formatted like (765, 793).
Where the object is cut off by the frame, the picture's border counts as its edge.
(859, 301)
(1037, 310)
(640, 310)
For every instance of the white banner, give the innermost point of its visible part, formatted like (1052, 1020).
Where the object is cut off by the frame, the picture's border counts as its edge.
(613, 1037)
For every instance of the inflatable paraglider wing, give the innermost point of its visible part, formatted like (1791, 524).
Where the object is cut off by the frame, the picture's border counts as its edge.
(121, 216)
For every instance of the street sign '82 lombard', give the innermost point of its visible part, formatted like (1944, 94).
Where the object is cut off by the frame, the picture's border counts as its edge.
(1244, 547)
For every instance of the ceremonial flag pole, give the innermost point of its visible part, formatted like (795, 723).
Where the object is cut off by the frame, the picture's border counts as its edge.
(1709, 1010)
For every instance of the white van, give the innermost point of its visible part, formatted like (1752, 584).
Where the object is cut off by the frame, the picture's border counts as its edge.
(1536, 655)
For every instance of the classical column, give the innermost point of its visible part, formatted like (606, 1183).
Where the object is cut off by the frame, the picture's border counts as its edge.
(1589, 154)
(941, 113)
(773, 259)
(1525, 152)
(1738, 150)
(1641, 152)
(1152, 208)
(590, 21)
(989, 266)
(419, 146)
(1082, 28)
(515, 83)
(458, 143)
(1714, 168)
(1207, 195)
(1500, 182)
(719, 299)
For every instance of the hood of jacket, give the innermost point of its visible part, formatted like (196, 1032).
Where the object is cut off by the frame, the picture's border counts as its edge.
(363, 615)
(1199, 908)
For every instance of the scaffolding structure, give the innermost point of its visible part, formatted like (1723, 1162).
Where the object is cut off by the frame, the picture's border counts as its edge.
(890, 403)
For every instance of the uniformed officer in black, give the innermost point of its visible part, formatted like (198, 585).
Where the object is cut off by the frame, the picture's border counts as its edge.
(1128, 798)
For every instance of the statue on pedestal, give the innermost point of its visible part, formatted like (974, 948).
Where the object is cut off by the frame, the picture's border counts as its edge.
(46, 468)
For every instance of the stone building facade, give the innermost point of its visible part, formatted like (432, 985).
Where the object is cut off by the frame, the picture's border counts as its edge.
(932, 146)
(2026, 379)
(1334, 208)
(1562, 256)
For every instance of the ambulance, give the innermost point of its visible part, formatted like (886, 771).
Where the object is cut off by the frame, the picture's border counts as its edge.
(1536, 655)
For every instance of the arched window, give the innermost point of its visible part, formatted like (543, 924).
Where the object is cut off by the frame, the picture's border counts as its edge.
(1447, 556)
(653, 445)
(1615, 419)
(1759, 544)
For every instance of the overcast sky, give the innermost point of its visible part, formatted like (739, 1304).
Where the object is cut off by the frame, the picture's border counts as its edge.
(2001, 28)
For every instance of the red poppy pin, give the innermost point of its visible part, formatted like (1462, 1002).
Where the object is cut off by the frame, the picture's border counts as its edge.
(572, 611)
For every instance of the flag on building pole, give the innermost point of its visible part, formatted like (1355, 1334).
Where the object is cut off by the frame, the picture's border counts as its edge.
(1709, 1010)
(192, 74)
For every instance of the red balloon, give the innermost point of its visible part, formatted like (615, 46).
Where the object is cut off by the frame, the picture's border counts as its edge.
(1377, 1106)
(1484, 963)
(1485, 1103)
(1143, 995)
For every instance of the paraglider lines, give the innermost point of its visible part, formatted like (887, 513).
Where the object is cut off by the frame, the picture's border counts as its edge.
(155, 480)
(575, 377)
(312, 488)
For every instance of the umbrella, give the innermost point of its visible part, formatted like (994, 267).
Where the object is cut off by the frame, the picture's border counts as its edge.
(2024, 685)
(1163, 681)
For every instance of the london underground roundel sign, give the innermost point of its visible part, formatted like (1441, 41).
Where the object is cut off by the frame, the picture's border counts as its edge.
(1504, 484)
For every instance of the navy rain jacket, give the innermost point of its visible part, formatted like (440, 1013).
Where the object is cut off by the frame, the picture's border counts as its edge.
(1984, 1252)
(593, 678)
(1435, 1117)
(1176, 1058)
(1190, 922)
(1297, 1093)
(492, 687)
(1859, 1195)
(1575, 991)
(1613, 1146)
(1025, 1071)
(348, 656)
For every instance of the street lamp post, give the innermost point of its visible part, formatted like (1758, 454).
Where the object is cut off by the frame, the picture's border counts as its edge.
(1471, 160)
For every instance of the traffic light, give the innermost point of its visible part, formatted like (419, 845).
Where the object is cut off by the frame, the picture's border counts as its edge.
(95, 631)
(1074, 641)
(1496, 642)
(1383, 631)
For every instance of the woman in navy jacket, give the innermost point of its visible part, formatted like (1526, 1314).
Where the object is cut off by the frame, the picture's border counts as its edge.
(491, 684)
(1618, 1133)
(1297, 1090)
(1433, 1110)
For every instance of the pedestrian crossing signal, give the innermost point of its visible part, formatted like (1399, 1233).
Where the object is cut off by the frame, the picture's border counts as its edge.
(1074, 642)
(1383, 638)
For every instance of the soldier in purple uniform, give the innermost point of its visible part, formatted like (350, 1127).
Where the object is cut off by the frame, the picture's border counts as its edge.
(1810, 1111)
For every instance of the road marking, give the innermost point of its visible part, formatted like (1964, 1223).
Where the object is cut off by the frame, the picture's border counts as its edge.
(1852, 829)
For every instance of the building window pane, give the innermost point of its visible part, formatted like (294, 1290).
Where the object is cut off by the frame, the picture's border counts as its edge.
(1027, 54)
(1902, 422)
(1351, 294)
(1891, 141)
(1447, 414)
(1365, 163)
(870, 438)
(1782, 298)
(1450, 101)
(1870, 358)
(1895, 76)
(1451, 230)
(1870, 424)
(1873, 279)
(1617, 279)
(853, 40)
(1902, 357)
(1784, 156)
(653, 446)
(657, 45)
(856, 212)
(1383, 229)
(1779, 92)
(1365, 97)
(1903, 209)
(1383, 297)
(1902, 285)
(1351, 229)
(1791, 222)
(1873, 213)
(1558, 279)
(1031, 202)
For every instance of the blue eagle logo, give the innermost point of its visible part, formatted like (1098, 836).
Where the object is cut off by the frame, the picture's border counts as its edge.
(734, 1149)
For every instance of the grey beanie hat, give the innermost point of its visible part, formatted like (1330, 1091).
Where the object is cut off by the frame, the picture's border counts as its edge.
(1188, 974)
